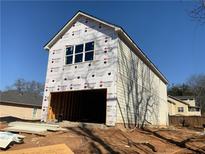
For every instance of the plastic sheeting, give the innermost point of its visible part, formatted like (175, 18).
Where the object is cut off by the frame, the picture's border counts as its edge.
(6, 138)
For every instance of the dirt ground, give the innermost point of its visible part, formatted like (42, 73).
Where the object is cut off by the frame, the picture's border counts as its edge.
(115, 140)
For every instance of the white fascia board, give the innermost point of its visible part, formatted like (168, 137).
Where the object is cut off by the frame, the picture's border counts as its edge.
(98, 20)
(62, 31)
(142, 55)
(46, 47)
(180, 101)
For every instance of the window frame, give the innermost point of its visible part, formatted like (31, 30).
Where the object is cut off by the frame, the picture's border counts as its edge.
(180, 109)
(74, 53)
(69, 55)
(89, 50)
(83, 52)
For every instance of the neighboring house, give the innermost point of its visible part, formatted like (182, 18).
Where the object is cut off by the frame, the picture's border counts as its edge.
(20, 105)
(180, 106)
(96, 73)
(188, 99)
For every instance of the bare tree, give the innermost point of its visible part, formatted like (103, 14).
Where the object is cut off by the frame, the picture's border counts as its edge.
(194, 86)
(198, 13)
(22, 86)
(197, 85)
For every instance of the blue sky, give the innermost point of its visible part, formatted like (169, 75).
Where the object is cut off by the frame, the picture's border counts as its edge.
(163, 30)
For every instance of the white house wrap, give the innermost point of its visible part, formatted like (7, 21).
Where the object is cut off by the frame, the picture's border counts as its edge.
(95, 68)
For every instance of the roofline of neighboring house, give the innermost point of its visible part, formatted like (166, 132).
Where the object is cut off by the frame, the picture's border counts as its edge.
(197, 107)
(171, 102)
(185, 97)
(2, 102)
(121, 33)
(178, 100)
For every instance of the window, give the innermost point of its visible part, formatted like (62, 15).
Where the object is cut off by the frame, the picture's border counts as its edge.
(69, 55)
(193, 109)
(180, 109)
(89, 46)
(89, 56)
(79, 48)
(89, 51)
(80, 53)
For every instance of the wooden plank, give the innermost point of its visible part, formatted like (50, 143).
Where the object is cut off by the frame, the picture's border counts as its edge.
(69, 107)
(58, 105)
(51, 114)
(66, 106)
(51, 149)
(78, 106)
(53, 104)
(63, 105)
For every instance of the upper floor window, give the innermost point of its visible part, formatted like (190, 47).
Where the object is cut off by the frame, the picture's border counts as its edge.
(80, 53)
(180, 109)
(69, 55)
(89, 51)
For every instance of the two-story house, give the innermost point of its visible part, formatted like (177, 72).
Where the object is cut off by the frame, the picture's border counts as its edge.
(96, 73)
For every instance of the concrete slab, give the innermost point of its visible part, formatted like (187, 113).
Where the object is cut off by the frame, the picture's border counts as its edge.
(34, 128)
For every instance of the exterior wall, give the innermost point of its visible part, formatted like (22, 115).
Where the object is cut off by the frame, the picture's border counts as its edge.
(20, 112)
(141, 95)
(190, 102)
(171, 108)
(181, 105)
(105, 39)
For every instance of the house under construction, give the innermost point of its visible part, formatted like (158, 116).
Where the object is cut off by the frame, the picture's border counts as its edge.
(96, 73)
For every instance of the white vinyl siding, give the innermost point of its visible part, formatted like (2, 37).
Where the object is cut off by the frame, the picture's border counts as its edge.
(136, 83)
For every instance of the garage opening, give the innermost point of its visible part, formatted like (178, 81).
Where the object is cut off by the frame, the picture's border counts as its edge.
(79, 106)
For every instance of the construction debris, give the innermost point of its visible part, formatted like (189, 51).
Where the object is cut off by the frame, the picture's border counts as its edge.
(32, 128)
(52, 149)
(7, 138)
(114, 140)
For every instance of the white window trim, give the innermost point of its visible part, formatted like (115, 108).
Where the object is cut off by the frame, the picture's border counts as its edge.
(78, 53)
(67, 46)
(83, 60)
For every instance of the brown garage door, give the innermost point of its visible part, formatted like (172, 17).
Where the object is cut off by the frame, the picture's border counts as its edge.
(79, 106)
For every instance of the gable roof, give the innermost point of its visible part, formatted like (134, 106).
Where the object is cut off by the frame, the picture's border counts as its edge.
(176, 99)
(185, 97)
(25, 98)
(121, 34)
